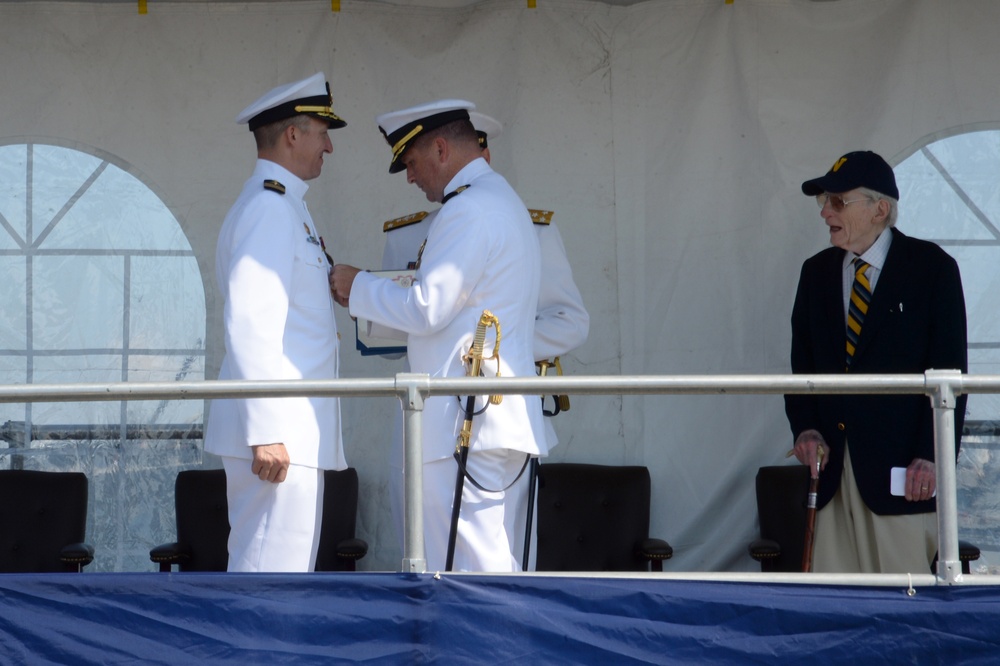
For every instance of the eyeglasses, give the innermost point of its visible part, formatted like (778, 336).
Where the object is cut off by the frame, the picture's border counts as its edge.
(837, 202)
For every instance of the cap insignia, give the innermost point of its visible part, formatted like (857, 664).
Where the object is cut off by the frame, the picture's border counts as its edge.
(274, 186)
(838, 164)
(404, 221)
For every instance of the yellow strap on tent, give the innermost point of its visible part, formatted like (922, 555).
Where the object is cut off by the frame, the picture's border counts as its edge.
(334, 5)
(142, 7)
(531, 4)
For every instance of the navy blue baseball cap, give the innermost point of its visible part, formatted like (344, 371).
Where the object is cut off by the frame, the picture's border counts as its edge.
(862, 168)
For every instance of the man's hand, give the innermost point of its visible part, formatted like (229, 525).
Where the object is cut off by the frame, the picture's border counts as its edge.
(341, 280)
(921, 480)
(270, 462)
(808, 446)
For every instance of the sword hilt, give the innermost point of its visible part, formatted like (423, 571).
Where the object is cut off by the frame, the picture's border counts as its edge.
(475, 359)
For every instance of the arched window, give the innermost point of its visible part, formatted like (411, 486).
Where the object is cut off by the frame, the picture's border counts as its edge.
(949, 189)
(98, 284)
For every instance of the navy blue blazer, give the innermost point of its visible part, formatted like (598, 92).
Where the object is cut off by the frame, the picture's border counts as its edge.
(915, 322)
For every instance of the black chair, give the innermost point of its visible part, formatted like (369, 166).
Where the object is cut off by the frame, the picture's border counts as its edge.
(201, 511)
(596, 518)
(339, 550)
(782, 495)
(202, 514)
(43, 522)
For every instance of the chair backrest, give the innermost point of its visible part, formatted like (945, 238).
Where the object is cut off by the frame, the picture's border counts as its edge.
(203, 518)
(202, 513)
(40, 513)
(591, 517)
(782, 494)
(340, 517)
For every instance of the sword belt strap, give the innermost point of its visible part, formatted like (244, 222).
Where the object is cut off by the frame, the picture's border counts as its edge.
(472, 480)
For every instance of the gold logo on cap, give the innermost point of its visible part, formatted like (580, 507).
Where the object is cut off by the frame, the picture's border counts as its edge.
(839, 163)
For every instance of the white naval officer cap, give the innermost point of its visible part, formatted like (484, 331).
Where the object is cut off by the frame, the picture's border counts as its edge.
(310, 96)
(486, 127)
(401, 127)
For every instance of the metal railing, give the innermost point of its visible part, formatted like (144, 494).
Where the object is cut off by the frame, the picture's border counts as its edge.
(941, 386)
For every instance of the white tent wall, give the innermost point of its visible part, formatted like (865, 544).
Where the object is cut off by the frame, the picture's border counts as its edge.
(669, 137)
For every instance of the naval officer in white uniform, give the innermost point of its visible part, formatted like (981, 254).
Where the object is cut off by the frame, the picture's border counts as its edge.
(481, 254)
(561, 323)
(272, 272)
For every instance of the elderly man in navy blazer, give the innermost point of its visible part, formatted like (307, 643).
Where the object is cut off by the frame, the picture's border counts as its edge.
(877, 302)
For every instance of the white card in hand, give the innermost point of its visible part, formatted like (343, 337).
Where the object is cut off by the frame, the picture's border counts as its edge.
(897, 482)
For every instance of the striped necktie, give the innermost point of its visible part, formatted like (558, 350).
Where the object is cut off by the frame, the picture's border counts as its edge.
(861, 296)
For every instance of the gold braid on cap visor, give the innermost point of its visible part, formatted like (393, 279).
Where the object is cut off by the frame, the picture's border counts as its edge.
(400, 146)
(325, 111)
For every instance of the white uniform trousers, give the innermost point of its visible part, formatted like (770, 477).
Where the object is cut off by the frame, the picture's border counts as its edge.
(514, 521)
(483, 543)
(850, 538)
(274, 527)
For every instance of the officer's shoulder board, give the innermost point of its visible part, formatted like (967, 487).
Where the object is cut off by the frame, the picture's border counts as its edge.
(274, 186)
(404, 221)
(541, 216)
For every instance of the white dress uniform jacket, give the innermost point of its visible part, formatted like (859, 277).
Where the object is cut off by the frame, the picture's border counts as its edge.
(481, 254)
(279, 323)
(403, 238)
(561, 323)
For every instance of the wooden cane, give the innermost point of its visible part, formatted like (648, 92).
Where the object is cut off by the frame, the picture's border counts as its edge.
(807, 548)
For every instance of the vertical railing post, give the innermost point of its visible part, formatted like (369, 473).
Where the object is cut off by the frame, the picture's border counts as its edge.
(947, 385)
(412, 389)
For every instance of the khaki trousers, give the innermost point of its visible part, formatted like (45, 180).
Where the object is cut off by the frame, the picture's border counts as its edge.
(852, 539)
